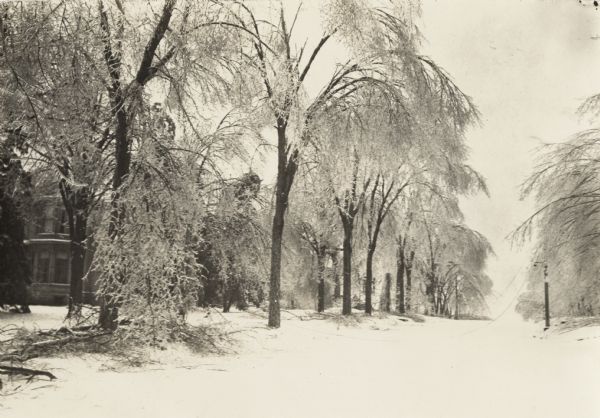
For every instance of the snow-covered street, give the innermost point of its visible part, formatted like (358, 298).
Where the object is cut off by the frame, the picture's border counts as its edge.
(317, 368)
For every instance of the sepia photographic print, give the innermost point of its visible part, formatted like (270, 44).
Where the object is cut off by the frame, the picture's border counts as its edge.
(299, 208)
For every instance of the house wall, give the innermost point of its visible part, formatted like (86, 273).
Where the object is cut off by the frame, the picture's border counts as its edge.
(48, 250)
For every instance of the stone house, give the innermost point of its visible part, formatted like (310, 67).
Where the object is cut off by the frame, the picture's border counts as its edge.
(48, 250)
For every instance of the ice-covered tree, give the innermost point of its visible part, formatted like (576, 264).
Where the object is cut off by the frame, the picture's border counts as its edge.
(54, 99)
(314, 219)
(234, 245)
(451, 259)
(565, 225)
(286, 59)
(565, 186)
(15, 193)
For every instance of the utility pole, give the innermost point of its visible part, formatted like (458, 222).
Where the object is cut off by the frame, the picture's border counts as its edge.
(546, 294)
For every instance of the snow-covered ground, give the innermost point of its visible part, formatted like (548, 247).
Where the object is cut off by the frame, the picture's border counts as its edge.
(318, 368)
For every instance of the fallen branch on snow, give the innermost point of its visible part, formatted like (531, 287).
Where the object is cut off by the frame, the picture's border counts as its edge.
(22, 371)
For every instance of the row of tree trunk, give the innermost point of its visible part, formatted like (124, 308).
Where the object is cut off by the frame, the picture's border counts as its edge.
(403, 282)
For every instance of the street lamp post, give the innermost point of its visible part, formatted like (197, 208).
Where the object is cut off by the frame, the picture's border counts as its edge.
(546, 298)
(546, 294)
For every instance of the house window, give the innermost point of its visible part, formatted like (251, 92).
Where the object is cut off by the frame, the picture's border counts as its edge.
(63, 223)
(39, 223)
(44, 223)
(43, 267)
(48, 225)
(61, 268)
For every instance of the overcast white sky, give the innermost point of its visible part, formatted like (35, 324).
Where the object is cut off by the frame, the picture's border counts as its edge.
(527, 64)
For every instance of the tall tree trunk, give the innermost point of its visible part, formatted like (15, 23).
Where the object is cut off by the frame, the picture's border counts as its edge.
(369, 282)
(347, 268)
(438, 300)
(76, 203)
(408, 268)
(227, 298)
(78, 251)
(122, 167)
(321, 279)
(286, 170)
(337, 293)
(387, 293)
(109, 310)
(456, 298)
(429, 297)
(276, 242)
(400, 268)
